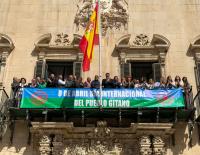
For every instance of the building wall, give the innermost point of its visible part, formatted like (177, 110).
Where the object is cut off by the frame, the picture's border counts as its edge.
(24, 21)
(20, 139)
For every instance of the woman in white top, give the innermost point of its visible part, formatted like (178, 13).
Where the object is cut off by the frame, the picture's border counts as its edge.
(61, 82)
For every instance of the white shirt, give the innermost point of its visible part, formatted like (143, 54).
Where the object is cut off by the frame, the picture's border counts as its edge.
(61, 82)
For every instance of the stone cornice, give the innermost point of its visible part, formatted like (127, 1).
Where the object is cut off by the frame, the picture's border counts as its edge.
(136, 129)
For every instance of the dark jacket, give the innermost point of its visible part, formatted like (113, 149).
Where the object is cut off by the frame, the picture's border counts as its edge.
(129, 85)
(95, 84)
(52, 83)
(107, 83)
(79, 85)
(116, 84)
(70, 84)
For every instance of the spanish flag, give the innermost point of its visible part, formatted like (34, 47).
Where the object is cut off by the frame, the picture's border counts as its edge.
(90, 39)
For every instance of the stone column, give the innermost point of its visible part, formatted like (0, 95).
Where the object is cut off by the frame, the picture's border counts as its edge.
(44, 145)
(145, 145)
(162, 57)
(58, 148)
(158, 146)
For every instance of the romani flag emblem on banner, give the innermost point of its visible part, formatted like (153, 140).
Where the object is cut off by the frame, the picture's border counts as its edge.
(89, 39)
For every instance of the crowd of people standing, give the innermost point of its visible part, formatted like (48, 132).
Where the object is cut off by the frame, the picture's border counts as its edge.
(72, 82)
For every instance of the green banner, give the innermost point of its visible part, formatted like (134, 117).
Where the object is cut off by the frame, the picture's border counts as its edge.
(111, 98)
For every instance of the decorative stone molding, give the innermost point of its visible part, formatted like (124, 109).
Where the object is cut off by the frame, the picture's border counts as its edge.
(58, 147)
(114, 14)
(44, 145)
(153, 128)
(158, 146)
(122, 56)
(102, 131)
(6, 46)
(143, 49)
(4, 56)
(145, 145)
(76, 150)
(141, 40)
(194, 49)
(69, 140)
(58, 46)
(62, 40)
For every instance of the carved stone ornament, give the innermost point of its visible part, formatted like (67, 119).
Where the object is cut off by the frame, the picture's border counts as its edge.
(141, 40)
(58, 148)
(98, 142)
(114, 14)
(61, 39)
(145, 145)
(159, 144)
(44, 145)
(103, 141)
(75, 148)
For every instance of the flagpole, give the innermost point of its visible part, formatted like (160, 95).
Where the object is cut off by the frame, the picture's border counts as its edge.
(100, 46)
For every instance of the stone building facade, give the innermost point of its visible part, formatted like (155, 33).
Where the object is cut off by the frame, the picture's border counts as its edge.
(38, 34)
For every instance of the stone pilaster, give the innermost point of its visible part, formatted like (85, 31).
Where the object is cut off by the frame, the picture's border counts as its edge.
(44, 145)
(4, 56)
(145, 145)
(159, 146)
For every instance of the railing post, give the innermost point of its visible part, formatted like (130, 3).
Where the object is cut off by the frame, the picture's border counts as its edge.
(158, 115)
(120, 117)
(45, 112)
(175, 115)
(139, 113)
(64, 116)
(27, 115)
(82, 117)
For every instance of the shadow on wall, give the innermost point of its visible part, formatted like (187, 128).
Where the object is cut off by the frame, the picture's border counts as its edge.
(182, 139)
(20, 139)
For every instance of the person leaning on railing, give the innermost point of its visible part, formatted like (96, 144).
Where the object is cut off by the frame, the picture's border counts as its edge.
(123, 82)
(177, 82)
(70, 82)
(61, 82)
(107, 82)
(187, 92)
(95, 83)
(87, 83)
(169, 83)
(42, 84)
(79, 83)
(143, 83)
(129, 82)
(162, 82)
(136, 83)
(33, 83)
(51, 81)
(22, 85)
(150, 84)
(116, 83)
(14, 86)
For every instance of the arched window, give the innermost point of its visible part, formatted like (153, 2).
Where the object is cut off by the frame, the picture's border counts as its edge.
(6, 46)
(140, 56)
(58, 54)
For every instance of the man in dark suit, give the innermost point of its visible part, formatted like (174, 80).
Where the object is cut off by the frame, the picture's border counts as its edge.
(107, 82)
